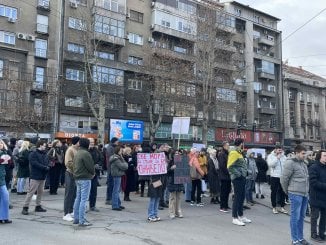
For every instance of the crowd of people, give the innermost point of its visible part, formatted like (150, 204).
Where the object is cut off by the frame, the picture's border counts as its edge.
(27, 167)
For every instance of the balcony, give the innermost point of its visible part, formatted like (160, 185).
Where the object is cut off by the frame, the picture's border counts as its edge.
(266, 41)
(267, 93)
(266, 75)
(104, 38)
(173, 54)
(43, 4)
(172, 32)
(317, 122)
(267, 110)
(226, 28)
(225, 47)
(309, 121)
(38, 87)
(224, 66)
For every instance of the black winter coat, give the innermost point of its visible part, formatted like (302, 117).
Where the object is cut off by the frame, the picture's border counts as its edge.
(222, 163)
(155, 192)
(97, 158)
(39, 164)
(131, 173)
(262, 169)
(317, 182)
(213, 178)
(23, 164)
(171, 186)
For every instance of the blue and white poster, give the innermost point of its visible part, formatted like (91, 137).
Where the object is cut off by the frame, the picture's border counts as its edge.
(126, 130)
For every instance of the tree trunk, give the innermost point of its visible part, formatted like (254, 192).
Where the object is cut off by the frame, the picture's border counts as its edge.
(101, 120)
(204, 125)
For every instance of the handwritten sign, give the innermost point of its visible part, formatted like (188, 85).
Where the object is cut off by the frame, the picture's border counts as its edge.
(182, 171)
(151, 163)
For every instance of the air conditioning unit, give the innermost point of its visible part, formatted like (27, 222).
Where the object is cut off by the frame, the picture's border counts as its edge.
(241, 51)
(150, 39)
(21, 36)
(11, 20)
(73, 4)
(30, 38)
(152, 26)
(128, 15)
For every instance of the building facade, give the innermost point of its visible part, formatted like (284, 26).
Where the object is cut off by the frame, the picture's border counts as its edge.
(304, 108)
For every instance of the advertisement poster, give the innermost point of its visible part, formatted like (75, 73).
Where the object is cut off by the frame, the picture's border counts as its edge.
(182, 170)
(127, 130)
(151, 163)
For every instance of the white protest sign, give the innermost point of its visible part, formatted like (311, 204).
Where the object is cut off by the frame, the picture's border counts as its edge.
(151, 163)
(180, 125)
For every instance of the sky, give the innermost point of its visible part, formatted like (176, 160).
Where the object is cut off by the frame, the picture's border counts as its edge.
(310, 41)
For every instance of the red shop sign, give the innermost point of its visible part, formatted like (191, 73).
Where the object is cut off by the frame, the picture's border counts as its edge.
(266, 138)
(224, 134)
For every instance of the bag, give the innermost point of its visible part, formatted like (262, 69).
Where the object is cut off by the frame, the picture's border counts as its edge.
(203, 185)
(157, 183)
(193, 173)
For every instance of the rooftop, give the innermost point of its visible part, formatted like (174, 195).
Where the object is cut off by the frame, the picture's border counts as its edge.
(301, 72)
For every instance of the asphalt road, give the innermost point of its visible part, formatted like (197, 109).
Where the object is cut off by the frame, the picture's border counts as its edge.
(200, 225)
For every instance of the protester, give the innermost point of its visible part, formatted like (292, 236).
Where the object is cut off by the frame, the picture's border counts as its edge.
(251, 176)
(39, 167)
(196, 174)
(166, 149)
(238, 171)
(118, 167)
(213, 176)
(14, 159)
(130, 183)
(70, 187)
(56, 158)
(84, 172)
(109, 150)
(224, 177)
(261, 178)
(23, 172)
(295, 183)
(317, 196)
(4, 194)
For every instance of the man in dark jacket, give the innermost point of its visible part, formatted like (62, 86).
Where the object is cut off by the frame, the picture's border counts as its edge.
(317, 196)
(39, 166)
(84, 172)
(109, 152)
(224, 177)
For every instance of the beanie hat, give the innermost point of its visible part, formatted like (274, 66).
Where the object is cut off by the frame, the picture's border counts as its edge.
(75, 139)
(114, 140)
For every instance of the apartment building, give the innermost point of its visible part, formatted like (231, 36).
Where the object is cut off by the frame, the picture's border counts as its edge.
(29, 49)
(146, 60)
(304, 108)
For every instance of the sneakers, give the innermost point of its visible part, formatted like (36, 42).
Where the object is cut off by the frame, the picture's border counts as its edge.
(86, 223)
(284, 211)
(200, 204)
(275, 211)
(151, 219)
(68, 218)
(223, 210)
(192, 203)
(179, 215)
(304, 242)
(172, 216)
(157, 218)
(238, 222)
(244, 219)
(94, 209)
(317, 238)
(40, 209)
(25, 211)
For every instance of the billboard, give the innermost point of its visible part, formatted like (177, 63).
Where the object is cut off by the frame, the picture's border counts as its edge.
(223, 134)
(127, 130)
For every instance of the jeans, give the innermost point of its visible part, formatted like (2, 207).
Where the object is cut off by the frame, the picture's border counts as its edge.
(4, 203)
(277, 192)
(83, 188)
(116, 202)
(250, 185)
(298, 212)
(109, 189)
(93, 192)
(315, 214)
(70, 193)
(196, 184)
(153, 207)
(188, 191)
(239, 185)
(21, 183)
(225, 192)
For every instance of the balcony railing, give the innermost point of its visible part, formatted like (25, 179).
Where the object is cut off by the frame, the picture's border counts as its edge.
(267, 93)
(266, 41)
(266, 110)
(109, 39)
(266, 75)
(44, 4)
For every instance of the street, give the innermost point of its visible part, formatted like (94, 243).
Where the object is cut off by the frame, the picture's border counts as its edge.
(200, 225)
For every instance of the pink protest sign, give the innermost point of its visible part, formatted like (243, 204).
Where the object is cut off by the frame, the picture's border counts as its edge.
(151, 163)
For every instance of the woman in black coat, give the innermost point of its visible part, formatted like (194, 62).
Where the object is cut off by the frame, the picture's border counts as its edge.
(261, 176)
(131, 159)
(213, 176)
(23, 168)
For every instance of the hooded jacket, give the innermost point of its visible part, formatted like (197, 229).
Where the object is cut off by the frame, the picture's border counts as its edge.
(276, 165)
(237, 166)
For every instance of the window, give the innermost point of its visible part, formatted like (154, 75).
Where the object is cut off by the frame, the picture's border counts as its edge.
(113, 102)
(74, 75)
(134, 108)
(77, 24)
(111, 5)
(308, 98)
(42, 23)
(225, 19)
(225, 94)
(271, 88)
(184, 27)
(135, 60)
(257, 86)
(74, 101)
(104, 55)
(180, 50)
(1, 68)
(267, 67)
(41, 47)
(9, 12)
(191, 90)
(291, 95)
(186, 7)
(44, 3)
(136, 16)
(165, 23)
(237, 11)
(109, 26)
(135, 38)
(7, 37)
(38, 106)
(258, 104)
(104, 74)
(76, 48)
(256, 34)
(272, 105)
(135, 84)
(39, 77)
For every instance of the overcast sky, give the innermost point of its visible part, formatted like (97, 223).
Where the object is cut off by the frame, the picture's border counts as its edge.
(310, 40)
